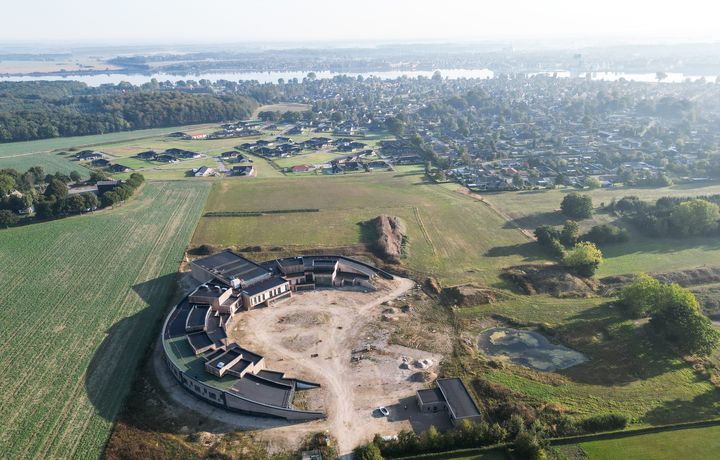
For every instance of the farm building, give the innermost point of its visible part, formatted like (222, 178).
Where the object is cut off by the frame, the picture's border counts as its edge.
(211, 365)
(449, 395)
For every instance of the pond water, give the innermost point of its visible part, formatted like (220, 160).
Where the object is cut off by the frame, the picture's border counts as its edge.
(527, 348)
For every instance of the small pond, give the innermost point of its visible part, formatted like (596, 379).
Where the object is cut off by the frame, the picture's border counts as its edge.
(527, 348)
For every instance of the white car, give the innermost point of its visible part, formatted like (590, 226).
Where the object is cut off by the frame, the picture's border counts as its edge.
(383, 410)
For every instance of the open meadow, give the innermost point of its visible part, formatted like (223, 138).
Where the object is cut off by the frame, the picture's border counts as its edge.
(530, 209)
(82, 298)
(691, 443)
(449, 233)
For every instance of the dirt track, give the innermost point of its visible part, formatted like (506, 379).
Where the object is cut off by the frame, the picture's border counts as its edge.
(312, 336)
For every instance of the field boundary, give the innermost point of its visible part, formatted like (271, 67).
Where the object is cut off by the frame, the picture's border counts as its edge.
(256, 213)
(424, 231)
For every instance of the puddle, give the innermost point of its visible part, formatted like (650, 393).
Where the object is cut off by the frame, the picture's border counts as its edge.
(527, 348)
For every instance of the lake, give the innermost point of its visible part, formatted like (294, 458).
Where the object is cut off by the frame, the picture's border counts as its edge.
(262, 77)
(272, 77)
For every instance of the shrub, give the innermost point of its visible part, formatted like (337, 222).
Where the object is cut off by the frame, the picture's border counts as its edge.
(604, 422)
(584, 259)
(576, 206)
(605, 234)
(528, 446)
(570, 233)
(641, 296)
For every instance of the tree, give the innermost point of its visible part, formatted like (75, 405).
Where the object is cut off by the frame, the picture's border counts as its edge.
(57, 189)
(395, 126)
(592, 183)
(528, 446)
(518, 181)
(75, 176)
(584, 259)
(369, 451)
(606, 233)
(45, 208)
(91, 201)
(7, 184)
(570, 233)
(96, 176)
(577, 206)
(8, 218)
(695, 217)
(641, 296)
(679, 320)
(76, 203)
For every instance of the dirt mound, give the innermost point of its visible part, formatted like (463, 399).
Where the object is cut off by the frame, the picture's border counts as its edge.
(468, 295)
(550, 279)
(422, 377)
(433, 285)
(391, 233)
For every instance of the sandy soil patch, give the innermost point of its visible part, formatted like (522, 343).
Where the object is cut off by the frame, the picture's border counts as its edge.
(338, 338)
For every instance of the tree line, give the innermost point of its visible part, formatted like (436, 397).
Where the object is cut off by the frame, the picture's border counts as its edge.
(39, 110)
(680, 217)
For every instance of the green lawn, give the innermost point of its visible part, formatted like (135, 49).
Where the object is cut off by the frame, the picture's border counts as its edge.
(450, 234)
(51, 162)
(694, 443)
(82, 298)
(58, 143)
(533, 208)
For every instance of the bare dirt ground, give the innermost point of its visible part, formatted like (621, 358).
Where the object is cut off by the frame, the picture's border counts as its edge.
(340, 340)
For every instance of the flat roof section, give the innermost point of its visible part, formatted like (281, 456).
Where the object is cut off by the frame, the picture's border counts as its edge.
(229, 265)
(199, 340)
(433, 395)
(262, 391)
(196, 319)
(264, 286)
(458, 398)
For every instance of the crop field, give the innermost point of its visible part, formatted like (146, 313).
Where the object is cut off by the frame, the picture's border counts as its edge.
(450, 234)
(694, 443)
(531, 209)
(51, 162)
(82, 298)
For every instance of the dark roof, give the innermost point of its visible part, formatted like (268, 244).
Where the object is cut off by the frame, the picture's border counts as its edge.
(228, 265)
(264, 286)
(197, 316)
(209, 291)
(199, 340)
(178, 318)
(458, 398)
(262, 391)
(430, 396)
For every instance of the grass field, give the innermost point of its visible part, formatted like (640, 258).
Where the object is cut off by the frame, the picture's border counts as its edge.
(450, 234)
(531, 209)
(51, 162)
(59, 143)
(81, 301)
(695, 443)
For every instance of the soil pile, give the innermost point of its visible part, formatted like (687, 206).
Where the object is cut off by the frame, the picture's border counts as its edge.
(468, 295)
(550, 279)
(391, 233)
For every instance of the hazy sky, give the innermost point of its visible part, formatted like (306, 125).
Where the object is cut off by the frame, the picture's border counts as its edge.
(186, 21)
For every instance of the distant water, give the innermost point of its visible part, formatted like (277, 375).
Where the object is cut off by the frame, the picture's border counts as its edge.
(273, 77)
(262, 77)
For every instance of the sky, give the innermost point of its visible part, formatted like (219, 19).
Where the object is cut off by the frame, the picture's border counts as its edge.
(232, 21)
